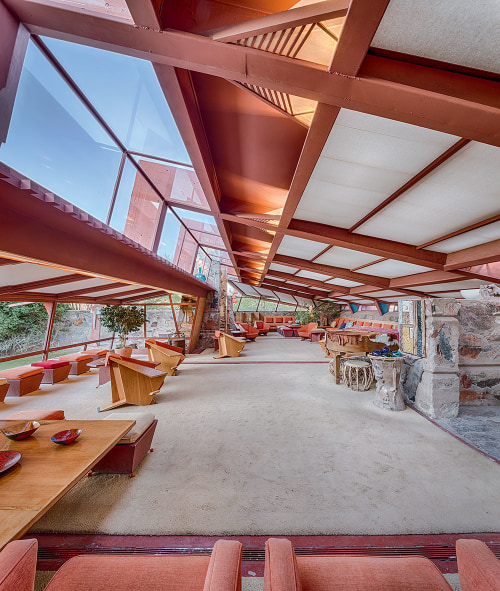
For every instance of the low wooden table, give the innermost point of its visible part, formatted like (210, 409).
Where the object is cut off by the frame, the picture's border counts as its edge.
(46, 470)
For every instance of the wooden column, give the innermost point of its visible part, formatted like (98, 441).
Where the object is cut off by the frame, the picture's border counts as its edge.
(198, 319)
(14, 39)
(51, 311)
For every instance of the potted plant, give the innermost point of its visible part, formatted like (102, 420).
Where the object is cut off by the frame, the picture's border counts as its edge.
(123, 320)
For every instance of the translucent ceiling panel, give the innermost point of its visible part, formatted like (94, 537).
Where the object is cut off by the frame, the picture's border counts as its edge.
(137, 207)
(126, 93)
(55, 141)
(169, 237)
(174, 182)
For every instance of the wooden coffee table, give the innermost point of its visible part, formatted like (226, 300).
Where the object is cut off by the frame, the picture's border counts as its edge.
(46, 470)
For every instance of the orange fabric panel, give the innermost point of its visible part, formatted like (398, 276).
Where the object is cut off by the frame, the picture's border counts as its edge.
(280, 570)
(478, 567)
(18, 566)
(224, 570)
(278, 319)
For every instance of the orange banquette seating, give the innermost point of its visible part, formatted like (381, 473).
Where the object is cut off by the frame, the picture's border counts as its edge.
(275, 321)
(304, 332)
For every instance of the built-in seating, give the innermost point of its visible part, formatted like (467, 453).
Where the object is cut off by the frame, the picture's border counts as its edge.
(275, 321)
(305, 331)
(96, 353)
(54, 370)
(79, 362)
(22, 380)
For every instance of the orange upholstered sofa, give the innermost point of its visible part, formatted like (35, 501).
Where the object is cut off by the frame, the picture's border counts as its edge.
(275, 321)
(286, 572)
(304, 332)
(219, 572)
(478, 567)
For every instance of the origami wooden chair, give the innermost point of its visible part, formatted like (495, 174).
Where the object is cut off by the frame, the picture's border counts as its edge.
(168, 356)
(133, 381)
(286, 572)
(478, 567)
(229, 346)
(219, 572)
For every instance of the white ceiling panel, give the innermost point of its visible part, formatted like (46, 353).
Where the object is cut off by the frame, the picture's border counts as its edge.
(385, 294)
(245, 289)
(365, 159)
(459, 32)
(468, 239)
(461, 192)
(299, 247)
(313, 275)
(391, 268)
(123, 290)
(282, 268)
(266, 293)
(346, 258)
(66, 287)
(451, 294)
(344, 282)
(284, 297)
(304, 301)
(452, 286)
(27, 273)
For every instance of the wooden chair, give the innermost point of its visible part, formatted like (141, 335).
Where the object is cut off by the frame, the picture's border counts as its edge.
(133, 381)
(229, 346)
(167, 356)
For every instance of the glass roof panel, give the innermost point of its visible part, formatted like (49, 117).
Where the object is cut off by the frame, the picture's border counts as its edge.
(54, 140)
(127, 95)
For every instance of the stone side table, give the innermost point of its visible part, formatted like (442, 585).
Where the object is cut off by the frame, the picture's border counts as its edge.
(387, 372)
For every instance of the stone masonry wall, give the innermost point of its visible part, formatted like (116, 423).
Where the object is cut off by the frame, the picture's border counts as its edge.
(479, 352)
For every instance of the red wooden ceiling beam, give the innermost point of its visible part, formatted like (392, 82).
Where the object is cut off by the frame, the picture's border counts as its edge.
(145, 296)
(427, 278)
(450, 102)
(307, 281)
(481, 224)
(42, 283)
(145, 13)
(292, 289)
(399, 251)
(475, 255)
(66, 295)
(330, 270)
(287, 19)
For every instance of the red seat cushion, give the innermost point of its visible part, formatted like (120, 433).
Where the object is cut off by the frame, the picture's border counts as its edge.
(50, 364)
(16, 373)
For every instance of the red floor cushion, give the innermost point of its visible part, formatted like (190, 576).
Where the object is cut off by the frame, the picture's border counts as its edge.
(50, 364)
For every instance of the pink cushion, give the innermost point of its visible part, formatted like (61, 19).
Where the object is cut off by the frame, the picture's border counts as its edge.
(37, 415)
(18, 566)
(17, 373)
(50, 364)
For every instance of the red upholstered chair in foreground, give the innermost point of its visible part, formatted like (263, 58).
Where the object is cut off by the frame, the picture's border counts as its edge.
(168, 356)
(478, 567)
(219, 572)
(305, 331)
(286, 572)
(252, 333)
(22, 380)
(262, 327)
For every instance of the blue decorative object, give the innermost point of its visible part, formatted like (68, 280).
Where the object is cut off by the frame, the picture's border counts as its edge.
(383, 308)
(397, 354)
(376, 353)
(342, 325)
(200, 275)
(385, 350)
(354, 308)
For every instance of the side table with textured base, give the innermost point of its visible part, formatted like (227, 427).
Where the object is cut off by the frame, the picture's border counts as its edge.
(388, 374)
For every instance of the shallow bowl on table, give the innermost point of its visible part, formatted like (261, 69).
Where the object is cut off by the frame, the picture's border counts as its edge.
(21, 430)
(67, 436)
(8, 459)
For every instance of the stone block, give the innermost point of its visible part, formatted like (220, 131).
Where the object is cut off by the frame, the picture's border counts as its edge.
(480, 385)
(441, 307)
(411, 375)
(441, 345)
(438, 395)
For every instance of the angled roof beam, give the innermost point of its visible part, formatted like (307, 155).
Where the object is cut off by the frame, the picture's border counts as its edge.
(121, 295)
(427, 278)
(362, 289)
(482, 223)
(9, 262)
(307, 281)
(451, 102)
(42, 283)
(138, 298)
(145, 13)
(79, 292)
(288, 19)
(330, 270)
(293, 289)
(399, 251)
(475, 255)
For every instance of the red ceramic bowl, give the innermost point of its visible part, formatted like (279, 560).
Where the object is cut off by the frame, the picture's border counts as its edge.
(21, 430)
(8, 459)
(67, 436)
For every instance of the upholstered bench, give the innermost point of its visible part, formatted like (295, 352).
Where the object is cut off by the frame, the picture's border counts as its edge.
(4, 386)
(96, 353)
(286, 331)
(78, 361)
(53, 370)
(22, 380)
(37, 415)
(134, 445)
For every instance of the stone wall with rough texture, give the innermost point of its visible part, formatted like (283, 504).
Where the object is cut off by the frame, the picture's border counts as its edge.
(479, 352)
(372, 315)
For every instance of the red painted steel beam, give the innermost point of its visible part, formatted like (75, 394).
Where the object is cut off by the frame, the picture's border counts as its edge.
(481, 224)
(330, 270)
(144, 13)
(53, 236)
(399, 251)
(450, 102)
(53, 281)
(292, 289)
(475, 255)
(427, 278)
(413, 181)
(143, 297)
(360, 26)
(295, 17)
(79, 292)
(4, 262)
(307, 281)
